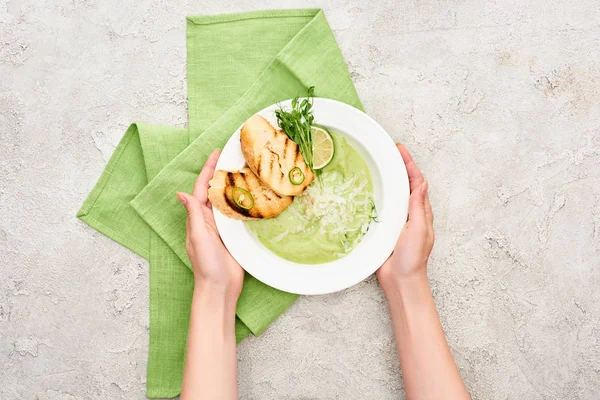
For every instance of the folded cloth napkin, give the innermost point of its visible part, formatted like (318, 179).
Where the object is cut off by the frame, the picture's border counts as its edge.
(237, 64)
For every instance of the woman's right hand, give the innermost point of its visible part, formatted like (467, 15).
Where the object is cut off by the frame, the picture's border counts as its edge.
(409, 259)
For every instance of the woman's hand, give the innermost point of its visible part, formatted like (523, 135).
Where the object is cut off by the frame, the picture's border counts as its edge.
(428, 368)
(411, 253)
(210, 363)
(214, 268)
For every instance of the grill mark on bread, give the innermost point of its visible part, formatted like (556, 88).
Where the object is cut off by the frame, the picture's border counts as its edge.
(258, 164)
(231, 179)
(297, 154)
(271, 161)
(288, 145)
(274, 154)
(245, 184)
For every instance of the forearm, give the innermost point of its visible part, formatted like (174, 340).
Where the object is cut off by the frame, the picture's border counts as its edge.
(428, 368)
(211, 362)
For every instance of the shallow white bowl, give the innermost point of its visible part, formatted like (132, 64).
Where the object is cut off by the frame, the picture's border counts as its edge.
(391, 188)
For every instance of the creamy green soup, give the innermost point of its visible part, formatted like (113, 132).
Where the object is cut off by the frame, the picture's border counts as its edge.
(330, 218)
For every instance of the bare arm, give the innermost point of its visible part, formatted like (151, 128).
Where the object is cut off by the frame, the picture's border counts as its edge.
(211, 363)
(428, 368)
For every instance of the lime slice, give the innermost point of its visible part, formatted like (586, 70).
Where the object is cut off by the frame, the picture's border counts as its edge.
(322, 147)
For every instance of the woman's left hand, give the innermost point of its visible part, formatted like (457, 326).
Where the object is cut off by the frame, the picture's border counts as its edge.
(214, 268)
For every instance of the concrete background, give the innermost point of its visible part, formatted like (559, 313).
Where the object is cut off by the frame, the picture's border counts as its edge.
(498, 100)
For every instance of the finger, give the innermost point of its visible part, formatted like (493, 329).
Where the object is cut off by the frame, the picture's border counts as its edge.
(416, 207)
(415, 177)
(428, 213)
(201, 187)
(187, 235)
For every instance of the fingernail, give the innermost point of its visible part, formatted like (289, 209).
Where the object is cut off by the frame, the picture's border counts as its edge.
(181, 198)
(424, 186)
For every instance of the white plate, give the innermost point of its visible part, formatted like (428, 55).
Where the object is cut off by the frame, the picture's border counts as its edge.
(391, 191)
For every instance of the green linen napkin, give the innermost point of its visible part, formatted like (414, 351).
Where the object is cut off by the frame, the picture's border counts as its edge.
(237, 65)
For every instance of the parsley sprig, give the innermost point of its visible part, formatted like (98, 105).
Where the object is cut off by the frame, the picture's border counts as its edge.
(296, 123)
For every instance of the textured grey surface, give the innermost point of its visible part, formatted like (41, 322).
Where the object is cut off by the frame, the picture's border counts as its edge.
(498, 101)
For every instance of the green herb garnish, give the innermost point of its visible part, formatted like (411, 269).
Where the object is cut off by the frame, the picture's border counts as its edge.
(297, 122)
(374, 215)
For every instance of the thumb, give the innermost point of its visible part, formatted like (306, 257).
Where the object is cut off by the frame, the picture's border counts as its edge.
(191, 204)
(416, 206)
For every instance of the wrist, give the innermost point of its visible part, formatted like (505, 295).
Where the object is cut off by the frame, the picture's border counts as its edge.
(410, 288)
(394, 280)
(217, 295)
(212, 315)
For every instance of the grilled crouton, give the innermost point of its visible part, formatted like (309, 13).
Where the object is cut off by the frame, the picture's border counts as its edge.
(264, 203)
(271, 155)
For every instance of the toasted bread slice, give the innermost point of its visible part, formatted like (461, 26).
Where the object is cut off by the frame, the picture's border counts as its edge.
(267, 203)
(271, 155)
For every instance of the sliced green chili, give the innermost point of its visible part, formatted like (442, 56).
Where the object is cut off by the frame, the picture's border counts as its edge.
(242, 198)
(296, 176)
